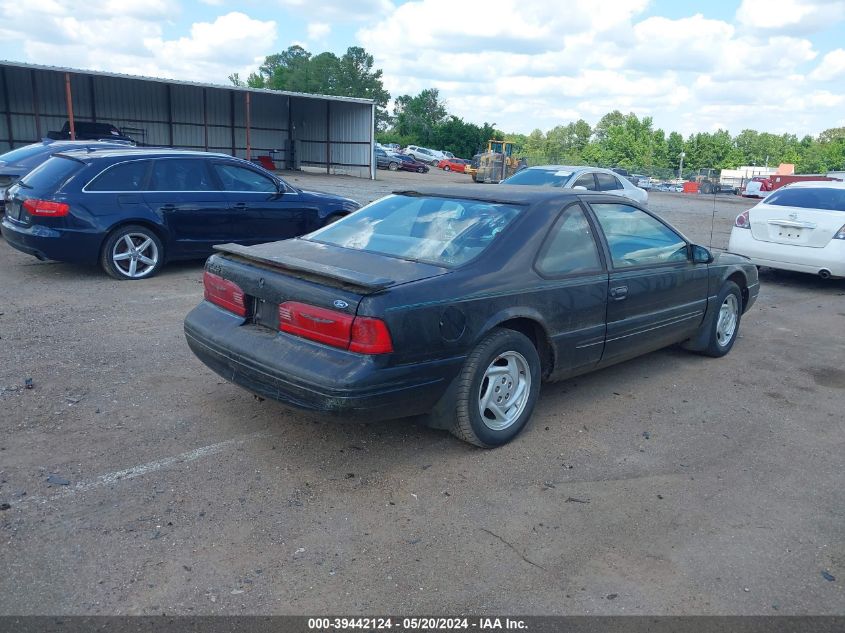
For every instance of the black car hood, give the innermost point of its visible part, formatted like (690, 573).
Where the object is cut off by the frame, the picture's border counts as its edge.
(317, 196)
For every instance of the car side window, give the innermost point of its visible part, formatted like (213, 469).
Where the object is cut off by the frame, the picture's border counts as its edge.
(608, 182)
(237, 178)
(129, 176)
(637, 239)
(570, 247)
(180, 174)
(587, 181)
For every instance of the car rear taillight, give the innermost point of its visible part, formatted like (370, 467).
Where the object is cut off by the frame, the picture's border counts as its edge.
(840, 234)
(365, 335)
(224, 293)
(742, 221)
(46, 208)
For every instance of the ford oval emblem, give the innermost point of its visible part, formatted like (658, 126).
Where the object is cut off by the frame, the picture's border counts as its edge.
(340, 304)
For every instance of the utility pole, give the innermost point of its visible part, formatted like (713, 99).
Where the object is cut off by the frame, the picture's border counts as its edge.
(681, 167)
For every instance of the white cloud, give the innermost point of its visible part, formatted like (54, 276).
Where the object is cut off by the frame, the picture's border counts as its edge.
(792, 16)
(523, 66)
(318, 30)
(340, 10)
(127, 36)
(831, 67)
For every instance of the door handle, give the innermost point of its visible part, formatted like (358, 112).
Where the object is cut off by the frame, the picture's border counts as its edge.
(168, 207)
(240, 205)
(619, 293)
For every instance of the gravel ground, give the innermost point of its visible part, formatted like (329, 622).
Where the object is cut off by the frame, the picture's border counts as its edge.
(138, 482)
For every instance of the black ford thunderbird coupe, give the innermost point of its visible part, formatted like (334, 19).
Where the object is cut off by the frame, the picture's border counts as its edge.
(458, 302)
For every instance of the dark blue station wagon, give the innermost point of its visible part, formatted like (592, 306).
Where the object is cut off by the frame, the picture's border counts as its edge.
(132, 210)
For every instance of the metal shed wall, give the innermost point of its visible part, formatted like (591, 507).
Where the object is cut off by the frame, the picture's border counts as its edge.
(329, 133)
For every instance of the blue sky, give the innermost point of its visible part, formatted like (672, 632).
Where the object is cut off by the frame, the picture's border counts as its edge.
(773, 65)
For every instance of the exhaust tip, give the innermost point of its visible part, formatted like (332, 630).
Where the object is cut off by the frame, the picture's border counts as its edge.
(824, 273)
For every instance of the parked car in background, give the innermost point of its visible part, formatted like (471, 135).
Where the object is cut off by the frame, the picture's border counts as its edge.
(453, 164)
(457, 302)
(90, 131)
(589, 178)
(409, 164)
(133, 210)
(424, 154)
(757, 187)
(385, 160)
(799, 227)
(22, 160)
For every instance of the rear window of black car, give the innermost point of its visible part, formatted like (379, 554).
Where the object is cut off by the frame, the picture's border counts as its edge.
(52, 174)
(442, 231)
(822, 198)
(129, 176)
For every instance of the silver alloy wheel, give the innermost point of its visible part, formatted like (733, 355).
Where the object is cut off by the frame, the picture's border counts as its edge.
(135, 255)
(505, 390)
(726, 325)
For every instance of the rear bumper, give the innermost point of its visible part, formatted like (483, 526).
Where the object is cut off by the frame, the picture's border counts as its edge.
(44, 242)
(803, 259)
(312, 376)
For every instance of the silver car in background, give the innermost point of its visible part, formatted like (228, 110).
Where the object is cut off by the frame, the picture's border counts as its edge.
(568, 177)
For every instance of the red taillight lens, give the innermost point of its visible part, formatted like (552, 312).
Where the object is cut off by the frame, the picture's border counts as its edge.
(742, 221)
(224, 293)
(840, 234)
(318, 324)
(365, 335)
(46, 208)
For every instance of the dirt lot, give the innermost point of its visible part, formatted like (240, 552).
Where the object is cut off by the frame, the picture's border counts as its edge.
(670, 484)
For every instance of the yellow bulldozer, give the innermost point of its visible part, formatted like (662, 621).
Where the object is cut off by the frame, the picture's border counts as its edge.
(496, 164)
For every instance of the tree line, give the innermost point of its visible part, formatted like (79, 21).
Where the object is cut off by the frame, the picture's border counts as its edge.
(617, 140)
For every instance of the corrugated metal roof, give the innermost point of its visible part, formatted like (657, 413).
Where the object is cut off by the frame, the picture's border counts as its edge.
(197, 84)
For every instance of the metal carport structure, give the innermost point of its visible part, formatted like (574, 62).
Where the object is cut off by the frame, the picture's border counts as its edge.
(293, 129)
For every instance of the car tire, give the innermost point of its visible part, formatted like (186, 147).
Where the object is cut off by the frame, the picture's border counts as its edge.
(420, 170)
(486, 382)
(447, 168)
(143, 259)
(334, 217)
(434, 163)
(724, 325)
(393, 166)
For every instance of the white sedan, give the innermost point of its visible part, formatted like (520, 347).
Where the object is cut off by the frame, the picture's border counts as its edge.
(799, 227)
(589, 178)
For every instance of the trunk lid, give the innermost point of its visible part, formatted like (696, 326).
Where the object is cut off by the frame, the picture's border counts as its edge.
(309, 272)
(797, 226)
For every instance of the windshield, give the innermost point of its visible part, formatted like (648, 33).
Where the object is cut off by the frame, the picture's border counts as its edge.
(442, 231)
(22, 153)
(822, 198)
(539, 177)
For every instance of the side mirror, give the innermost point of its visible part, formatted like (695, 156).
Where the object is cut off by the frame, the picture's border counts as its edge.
(580, 187)
(701, 255)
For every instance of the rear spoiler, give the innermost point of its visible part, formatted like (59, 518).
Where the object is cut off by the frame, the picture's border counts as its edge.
(309, 268)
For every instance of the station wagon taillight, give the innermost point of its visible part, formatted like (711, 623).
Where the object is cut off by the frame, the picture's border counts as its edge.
(742, 221)
(46, 208)
(224, 293)
(840, 234)
(365, 335)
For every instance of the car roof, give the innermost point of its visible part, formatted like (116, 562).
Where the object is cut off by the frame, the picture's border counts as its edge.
(503, 194)
(136, 152)
(833, 184)
(572, 168)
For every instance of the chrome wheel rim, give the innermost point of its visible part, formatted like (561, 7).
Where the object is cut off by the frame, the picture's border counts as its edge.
(728, 316)
(504, 391)
(135, 255)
